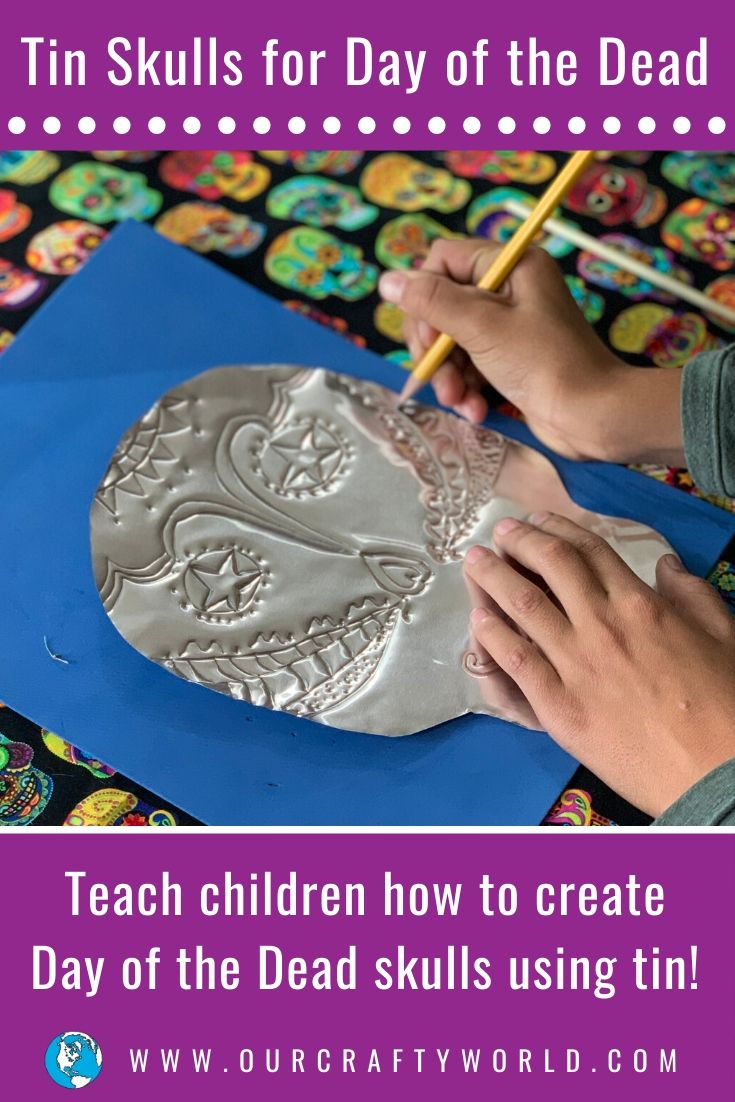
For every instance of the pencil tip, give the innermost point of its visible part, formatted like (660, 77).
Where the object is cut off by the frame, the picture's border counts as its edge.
(411, 387)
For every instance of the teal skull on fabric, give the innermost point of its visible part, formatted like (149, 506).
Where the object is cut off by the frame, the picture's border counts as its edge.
(104, 193)
(316, 263)
(318, 201)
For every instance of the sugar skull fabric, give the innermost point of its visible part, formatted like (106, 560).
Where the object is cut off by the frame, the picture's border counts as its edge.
(212, 174)
(488, 216)
(318, 201)
(62, 248)
(209, 227)
(14, 216)
(282, 476)
(404, 242)
(674, 211)
(401, 181)
(709, 175)
(501, 167)
(19, 287)
(104, 193)
(615, 195)
(25, 790)
(703, 231)
(318, 264)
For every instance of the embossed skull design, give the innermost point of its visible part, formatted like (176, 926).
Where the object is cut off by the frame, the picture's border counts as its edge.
(316, 263)
(291, 538)
(104, 193)
(317, 201)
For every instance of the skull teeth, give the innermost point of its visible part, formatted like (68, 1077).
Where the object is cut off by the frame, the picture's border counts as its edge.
(305, 676)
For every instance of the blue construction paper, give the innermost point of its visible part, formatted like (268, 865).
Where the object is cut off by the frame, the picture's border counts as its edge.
(142, 316)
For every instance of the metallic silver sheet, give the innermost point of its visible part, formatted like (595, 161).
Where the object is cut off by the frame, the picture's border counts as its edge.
(290, 538)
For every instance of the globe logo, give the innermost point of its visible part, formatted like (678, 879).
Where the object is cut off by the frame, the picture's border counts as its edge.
(73, 1060)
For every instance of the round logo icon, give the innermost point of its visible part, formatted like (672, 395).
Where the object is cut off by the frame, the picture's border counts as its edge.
(73, 1060)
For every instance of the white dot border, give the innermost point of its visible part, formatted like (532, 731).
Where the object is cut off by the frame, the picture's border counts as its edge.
(399, 125)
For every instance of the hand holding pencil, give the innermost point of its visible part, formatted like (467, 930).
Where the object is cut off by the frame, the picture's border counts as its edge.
(535, 348)
(504, 263)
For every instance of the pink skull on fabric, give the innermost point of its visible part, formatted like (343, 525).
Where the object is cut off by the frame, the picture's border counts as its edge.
(18, 286)
(14, 216)
(62, 248)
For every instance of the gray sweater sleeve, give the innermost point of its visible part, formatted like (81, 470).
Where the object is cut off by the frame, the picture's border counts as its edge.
(708, 419)
(710, 802)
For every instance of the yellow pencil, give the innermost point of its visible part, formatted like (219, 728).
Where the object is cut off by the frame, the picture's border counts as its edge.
(503, 264)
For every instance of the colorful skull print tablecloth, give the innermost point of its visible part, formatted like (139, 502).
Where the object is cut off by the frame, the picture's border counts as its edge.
(314, 229)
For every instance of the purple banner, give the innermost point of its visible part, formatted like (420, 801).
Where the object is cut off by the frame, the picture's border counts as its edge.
(508, 967)
(542, 76)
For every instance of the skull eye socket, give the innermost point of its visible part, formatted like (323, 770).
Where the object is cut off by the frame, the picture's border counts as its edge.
(328, 255)
(613, 181)
(309, 277)
(720, 223)
(599, 202)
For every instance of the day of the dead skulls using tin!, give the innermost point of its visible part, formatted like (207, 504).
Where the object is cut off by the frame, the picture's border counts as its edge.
(292, 538)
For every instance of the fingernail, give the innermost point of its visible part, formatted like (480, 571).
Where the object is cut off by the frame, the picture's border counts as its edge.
(478, 615)
(391, 286)
(673, 562)
(476, 553)
(507, 525)
(538, 518)
(476, 407)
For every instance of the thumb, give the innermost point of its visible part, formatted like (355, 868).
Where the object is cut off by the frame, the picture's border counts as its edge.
(694, 598)
(462, 311)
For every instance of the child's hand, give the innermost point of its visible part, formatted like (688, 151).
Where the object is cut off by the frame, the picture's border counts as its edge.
(637, 685)
(533, 345)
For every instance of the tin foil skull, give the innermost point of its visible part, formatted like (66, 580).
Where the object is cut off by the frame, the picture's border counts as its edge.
(289, 537)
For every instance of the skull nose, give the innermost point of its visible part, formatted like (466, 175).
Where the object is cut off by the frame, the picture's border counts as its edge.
(400, 574)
